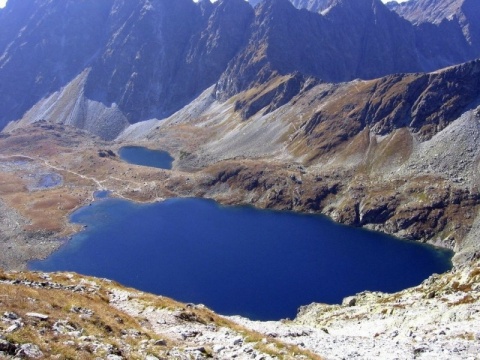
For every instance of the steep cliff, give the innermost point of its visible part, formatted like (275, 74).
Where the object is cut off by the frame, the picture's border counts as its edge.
(369, 41)
(160, 55)
(44, 46)
(454, 19)
(146, 59)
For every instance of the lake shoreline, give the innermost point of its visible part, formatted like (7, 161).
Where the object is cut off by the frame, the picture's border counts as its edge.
(360, 243)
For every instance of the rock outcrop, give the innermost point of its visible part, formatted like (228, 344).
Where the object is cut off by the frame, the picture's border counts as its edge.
(80, 317)
(311, 5)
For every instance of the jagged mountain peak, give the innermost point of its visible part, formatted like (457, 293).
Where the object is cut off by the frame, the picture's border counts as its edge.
(357, 6)
(311, 5)
(275, 4)
(206, 7)
(462, 14)
(433, 11)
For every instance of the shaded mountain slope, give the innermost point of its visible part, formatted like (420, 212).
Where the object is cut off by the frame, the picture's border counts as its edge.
(342, 45)
(144, 60)
(44, 45)
(436, 11)
(164, 54)
(353, 39)
(453, 16)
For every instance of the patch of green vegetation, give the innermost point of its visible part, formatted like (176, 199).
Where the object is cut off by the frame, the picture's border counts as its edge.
(422, 196)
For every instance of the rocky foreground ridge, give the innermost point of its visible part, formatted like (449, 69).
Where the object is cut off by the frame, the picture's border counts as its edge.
(67, 316)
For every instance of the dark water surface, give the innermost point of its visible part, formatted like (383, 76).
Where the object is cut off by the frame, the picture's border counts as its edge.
(142, 156)
(239, 260)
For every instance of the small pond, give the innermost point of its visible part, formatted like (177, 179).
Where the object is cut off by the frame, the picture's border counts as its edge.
(142, 156)
(238, 260)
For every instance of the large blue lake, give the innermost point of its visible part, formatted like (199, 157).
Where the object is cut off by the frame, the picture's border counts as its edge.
(238, 260)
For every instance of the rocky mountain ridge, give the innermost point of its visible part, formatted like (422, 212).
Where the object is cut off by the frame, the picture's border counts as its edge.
(456, 14)
(140, 60)
(310, 5)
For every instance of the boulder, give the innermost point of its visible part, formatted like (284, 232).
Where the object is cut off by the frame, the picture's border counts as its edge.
(349, 301)
(37, 316)
(30, 351)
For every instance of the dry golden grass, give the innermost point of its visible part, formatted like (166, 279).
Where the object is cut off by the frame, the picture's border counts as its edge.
(10, 183)
(105, 324)
(46, 210)
(474, 274)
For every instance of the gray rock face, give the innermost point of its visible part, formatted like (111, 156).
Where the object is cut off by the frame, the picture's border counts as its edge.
(161, 55)
(311, 5)
(457, 18)
(352, 39)
(43, 46)
(431, 11)
(7, 347)
(30, 351)
(147, 59)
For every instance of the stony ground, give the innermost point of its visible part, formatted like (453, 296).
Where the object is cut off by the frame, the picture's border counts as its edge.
(65, 315)
(437, 320)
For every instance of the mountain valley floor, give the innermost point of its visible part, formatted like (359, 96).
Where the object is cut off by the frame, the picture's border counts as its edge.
(436, 320)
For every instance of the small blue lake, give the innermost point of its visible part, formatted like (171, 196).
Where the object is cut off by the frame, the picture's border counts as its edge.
(238, 260)
(142, 156)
